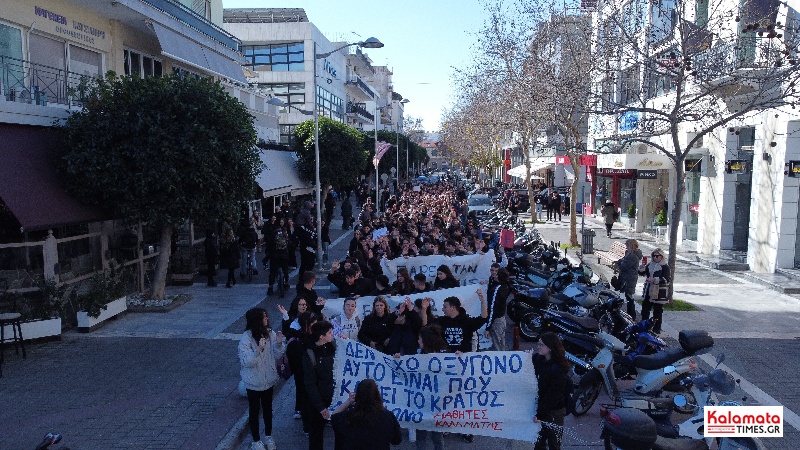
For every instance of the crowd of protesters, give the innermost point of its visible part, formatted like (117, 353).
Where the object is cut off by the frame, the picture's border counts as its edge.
(429, 220)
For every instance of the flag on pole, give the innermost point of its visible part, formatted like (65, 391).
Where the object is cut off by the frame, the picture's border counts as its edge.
(381, 149)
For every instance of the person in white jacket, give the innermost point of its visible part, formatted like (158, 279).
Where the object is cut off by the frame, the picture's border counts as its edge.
(347, 324)
(259, 347)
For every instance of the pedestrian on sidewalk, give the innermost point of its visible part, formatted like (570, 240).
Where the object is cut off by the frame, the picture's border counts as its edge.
(655, 288)
(555, 205)
(628, 267)
(363, 422)
(551, 367)
(347, 213)
(538, 199)
(609, 213)
(229, 256)
(259, 347)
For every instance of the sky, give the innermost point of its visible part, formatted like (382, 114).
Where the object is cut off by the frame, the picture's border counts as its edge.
(424, 40)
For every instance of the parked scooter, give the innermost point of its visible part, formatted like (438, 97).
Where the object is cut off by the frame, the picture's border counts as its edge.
(663, 373)
(630, 428)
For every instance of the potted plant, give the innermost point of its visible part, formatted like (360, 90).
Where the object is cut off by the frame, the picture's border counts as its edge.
(102, 298)
(631, 215)
(41, 310)
(661, 222)
(182, 268)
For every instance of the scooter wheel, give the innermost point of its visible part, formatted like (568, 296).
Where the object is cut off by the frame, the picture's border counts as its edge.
(531, 326)
(606, 323)
(585, 394)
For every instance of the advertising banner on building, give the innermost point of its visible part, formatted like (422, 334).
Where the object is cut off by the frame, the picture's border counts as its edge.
(488, 394)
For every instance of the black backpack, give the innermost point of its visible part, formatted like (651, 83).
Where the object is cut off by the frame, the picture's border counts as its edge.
(281, 240)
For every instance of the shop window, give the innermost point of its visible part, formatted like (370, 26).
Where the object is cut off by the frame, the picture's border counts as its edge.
(12, 74)
(142, 65)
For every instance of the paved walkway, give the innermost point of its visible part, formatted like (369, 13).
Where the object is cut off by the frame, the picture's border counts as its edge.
(168, 381)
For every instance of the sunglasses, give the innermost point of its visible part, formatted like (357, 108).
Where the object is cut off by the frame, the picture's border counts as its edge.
(657, 256)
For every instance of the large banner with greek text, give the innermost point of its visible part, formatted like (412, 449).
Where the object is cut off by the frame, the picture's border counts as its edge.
(488, 393)
(469, 269)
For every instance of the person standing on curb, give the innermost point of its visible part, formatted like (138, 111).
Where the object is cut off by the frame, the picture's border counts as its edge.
(498, 291)
(318, 381)
(259, 347)
(628, 267)
(229, 256)
(609, 213)
(655, 288)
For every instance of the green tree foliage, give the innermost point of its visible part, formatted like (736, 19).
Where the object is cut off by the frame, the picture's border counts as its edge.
(341, 154)
(160, 150)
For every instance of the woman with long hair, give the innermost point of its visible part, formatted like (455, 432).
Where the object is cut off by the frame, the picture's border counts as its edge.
(377, 326)
(294, 352)
(258, 348)
(404, 284)
(445, 278)
(551, 365)
(362, 422)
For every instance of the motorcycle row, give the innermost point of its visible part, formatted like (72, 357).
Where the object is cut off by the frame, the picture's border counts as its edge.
(607, 349)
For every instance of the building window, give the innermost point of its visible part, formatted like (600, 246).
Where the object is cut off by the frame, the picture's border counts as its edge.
(701, 13)
(660, 76)
(291, 93)
(329, 105)
(275, 57)
(142, 65)
(181, 72)
(630, 89)
(12, 74)
(287, 134)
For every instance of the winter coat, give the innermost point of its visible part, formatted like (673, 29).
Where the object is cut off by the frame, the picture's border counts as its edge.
(628, 271)
(608, 213)
(318, 375)
(661, 272)
(229, 255)
(552, 380)
(376, 329)
(347, 209)
(378, 435)
(447, 283)
(497, 298)
(258, 367)
(458, 330)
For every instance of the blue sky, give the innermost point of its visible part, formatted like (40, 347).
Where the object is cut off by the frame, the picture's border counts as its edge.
(424, 40)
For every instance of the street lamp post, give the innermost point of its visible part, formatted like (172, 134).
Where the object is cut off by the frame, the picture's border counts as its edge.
(369, 43)
(397, 138)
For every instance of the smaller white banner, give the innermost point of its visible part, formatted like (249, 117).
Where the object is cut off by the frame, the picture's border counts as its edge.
(743, 421)
(468, 269)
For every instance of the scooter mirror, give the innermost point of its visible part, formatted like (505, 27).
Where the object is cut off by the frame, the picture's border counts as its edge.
(679, 401)
(669, 369)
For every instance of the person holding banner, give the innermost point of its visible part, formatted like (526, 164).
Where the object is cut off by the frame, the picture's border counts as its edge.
(347, 324)
(457, 325)
(318, 382)
(421, 284)
(431, 340)
(362, 422)
(377, 326)
(551, 365)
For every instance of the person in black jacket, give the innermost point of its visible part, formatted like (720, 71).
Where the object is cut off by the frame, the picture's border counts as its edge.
(362, 422)
(377, 326)
(295, 349)
(306, 291)
(551, 367)
(403, 340)
(318, 381)
(445, 279)
(657, 278)
(355, 286)
(498, 291)
(457, 325)
(229, 256)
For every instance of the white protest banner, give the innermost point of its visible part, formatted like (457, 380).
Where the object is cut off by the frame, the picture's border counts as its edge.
(467, 294)
(379, 232)
(488, 393)
(468, 269)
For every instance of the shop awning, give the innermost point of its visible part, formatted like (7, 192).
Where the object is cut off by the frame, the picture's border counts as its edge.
(635, 161)
(536, 164)
(280, 175)
(183, 49)
(30, 187)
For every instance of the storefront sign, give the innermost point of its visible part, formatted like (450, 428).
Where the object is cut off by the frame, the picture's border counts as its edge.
(794, 169)
(629, 120)
(694, 207)
(737, 166)
(79, 31)
(645, 161)
(646, 174)
(586, 160)
(589, 175)
(609, 172)
(690, 165)
(563, 160)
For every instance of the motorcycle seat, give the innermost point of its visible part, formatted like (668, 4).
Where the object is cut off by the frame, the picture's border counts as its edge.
(597, 342)
(587, 323)
(659, 360)
(663, 443)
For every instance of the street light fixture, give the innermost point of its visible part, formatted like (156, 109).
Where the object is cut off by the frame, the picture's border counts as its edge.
(368, 43)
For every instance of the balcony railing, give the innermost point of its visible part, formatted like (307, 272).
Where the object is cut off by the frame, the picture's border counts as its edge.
(747, 52)
(360, 55)
(354, 108)
(27, 82)
(196, 21)
(364, 87)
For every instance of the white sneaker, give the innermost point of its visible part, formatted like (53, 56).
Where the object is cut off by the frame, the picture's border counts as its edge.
(297, 415)
(257, 445)
(269, 443)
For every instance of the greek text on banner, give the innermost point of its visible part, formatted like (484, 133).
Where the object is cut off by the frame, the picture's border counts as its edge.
(468, 269)
(488, 393)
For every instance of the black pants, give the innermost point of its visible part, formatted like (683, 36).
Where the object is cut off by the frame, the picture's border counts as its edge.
(631, 306)
(274, 265)
(548, 437)
(231, 277)
(260, 400)
(211, 271)
(316, 429)
(307, 261)
(608, 228)
(658, 312)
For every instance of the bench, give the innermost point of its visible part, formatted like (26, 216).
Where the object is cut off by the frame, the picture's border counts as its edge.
(610, 257)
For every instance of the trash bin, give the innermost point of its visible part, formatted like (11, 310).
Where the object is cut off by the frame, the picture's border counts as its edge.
(587, 241)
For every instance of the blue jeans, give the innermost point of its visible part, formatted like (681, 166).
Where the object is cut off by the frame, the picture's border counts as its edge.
(436, 437)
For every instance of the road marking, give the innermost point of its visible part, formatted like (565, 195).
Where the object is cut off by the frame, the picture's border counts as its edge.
(755, 392)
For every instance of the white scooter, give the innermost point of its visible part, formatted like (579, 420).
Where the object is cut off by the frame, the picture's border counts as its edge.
(656, 375)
